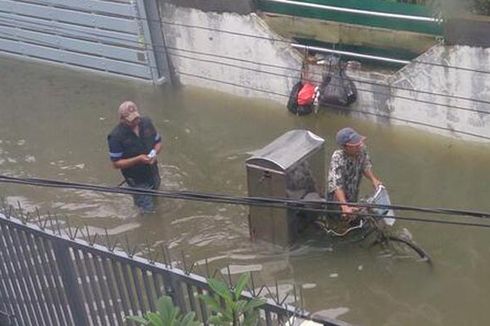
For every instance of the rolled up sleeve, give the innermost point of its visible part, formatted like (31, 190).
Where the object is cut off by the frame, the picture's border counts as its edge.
(115, 149)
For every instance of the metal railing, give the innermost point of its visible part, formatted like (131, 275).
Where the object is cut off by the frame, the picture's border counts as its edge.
(50, 277)
(357, 11)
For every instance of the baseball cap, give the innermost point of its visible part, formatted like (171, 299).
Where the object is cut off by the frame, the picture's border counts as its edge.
(348, 136)
(128, 111)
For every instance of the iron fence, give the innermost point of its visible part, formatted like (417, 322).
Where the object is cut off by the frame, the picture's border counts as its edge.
(48, 276)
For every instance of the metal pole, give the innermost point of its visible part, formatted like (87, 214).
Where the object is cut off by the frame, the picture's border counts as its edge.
(348, 53)
(358, 11)
(67, 271)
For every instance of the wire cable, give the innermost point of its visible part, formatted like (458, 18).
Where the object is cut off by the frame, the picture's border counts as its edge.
(293, 69)
(457, 97)
(331, 105)
(252, 36)
(237, 200)
(335, 77)
(338, 78)
(344, 109)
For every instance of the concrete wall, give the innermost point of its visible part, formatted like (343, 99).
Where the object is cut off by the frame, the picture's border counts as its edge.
(207, 56)
(456, 88)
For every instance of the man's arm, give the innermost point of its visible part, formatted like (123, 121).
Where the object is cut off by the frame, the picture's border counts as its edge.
(130, 162)
(340, 196)
(369, 174)
(158, 147)
(157, 141)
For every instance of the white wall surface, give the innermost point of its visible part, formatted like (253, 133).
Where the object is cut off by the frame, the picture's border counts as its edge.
(249, 62)
(249, 57)
(455, 89)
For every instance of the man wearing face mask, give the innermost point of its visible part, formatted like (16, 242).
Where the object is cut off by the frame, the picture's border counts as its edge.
(133, 148)
(347, 166)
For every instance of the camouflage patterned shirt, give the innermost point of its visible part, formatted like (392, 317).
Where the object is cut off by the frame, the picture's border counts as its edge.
(346, 172)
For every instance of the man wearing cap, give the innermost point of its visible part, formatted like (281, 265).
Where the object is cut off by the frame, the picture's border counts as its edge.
(133, 148)
(347, 166)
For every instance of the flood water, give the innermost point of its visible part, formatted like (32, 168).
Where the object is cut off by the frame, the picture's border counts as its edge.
(54, 125)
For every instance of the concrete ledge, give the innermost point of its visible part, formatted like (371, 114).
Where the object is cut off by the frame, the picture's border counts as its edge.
(242, 7)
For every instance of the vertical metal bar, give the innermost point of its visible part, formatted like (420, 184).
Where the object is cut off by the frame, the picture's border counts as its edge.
(4, 305)
(192, 299)
(156, 284)
(145, 35)
(103, 285)
(280, 318)
(115, 297)
(174, 290)
(31, 275)
(149, 293)
(23, 250)
(10, 288)
(204, 310)
(93, 284)
(25, 274)
(127, 282)
(137, 287)
(36, 261)
(15, 274)
(49, 276)
(121, 286)
(85, 286)
(268, 319)
(68, 275)
(157, 39)
(58, 280)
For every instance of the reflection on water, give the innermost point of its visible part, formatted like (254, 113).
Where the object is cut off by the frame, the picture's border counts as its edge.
(54, 125)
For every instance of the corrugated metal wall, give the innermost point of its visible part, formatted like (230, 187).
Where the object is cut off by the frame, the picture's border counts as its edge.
(102, 35)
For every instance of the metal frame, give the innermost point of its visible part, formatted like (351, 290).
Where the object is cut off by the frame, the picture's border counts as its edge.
(50, 277)
(115, 38)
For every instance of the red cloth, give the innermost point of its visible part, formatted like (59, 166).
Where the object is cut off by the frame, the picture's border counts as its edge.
(307, 94)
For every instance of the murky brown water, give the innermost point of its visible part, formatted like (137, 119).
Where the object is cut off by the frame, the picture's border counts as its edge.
(54, 124)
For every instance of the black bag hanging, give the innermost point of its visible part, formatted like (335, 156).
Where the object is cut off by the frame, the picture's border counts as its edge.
(337, 88)
(349, 87)
(293, 98)
(293, 105)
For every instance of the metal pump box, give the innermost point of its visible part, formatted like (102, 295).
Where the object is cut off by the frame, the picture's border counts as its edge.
(290, 167)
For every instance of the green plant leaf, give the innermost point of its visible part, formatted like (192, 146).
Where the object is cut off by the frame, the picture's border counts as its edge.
(211, 302)
(241, 284)
(138, 319)
(240, 307)
(251, 319)
(168, 311)
(217, 320)
(254, 304)
(156, 320)
(188, 320)
(220, 289)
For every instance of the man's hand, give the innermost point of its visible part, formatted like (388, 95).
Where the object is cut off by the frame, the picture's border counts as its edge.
(145, 159)
(153, 160)
(348, 212)
(377, 183)
(372, 177)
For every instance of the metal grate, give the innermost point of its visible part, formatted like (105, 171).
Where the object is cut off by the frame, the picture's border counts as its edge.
(50, 277)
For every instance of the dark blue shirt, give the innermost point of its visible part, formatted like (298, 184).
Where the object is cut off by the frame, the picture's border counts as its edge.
(124, 143)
